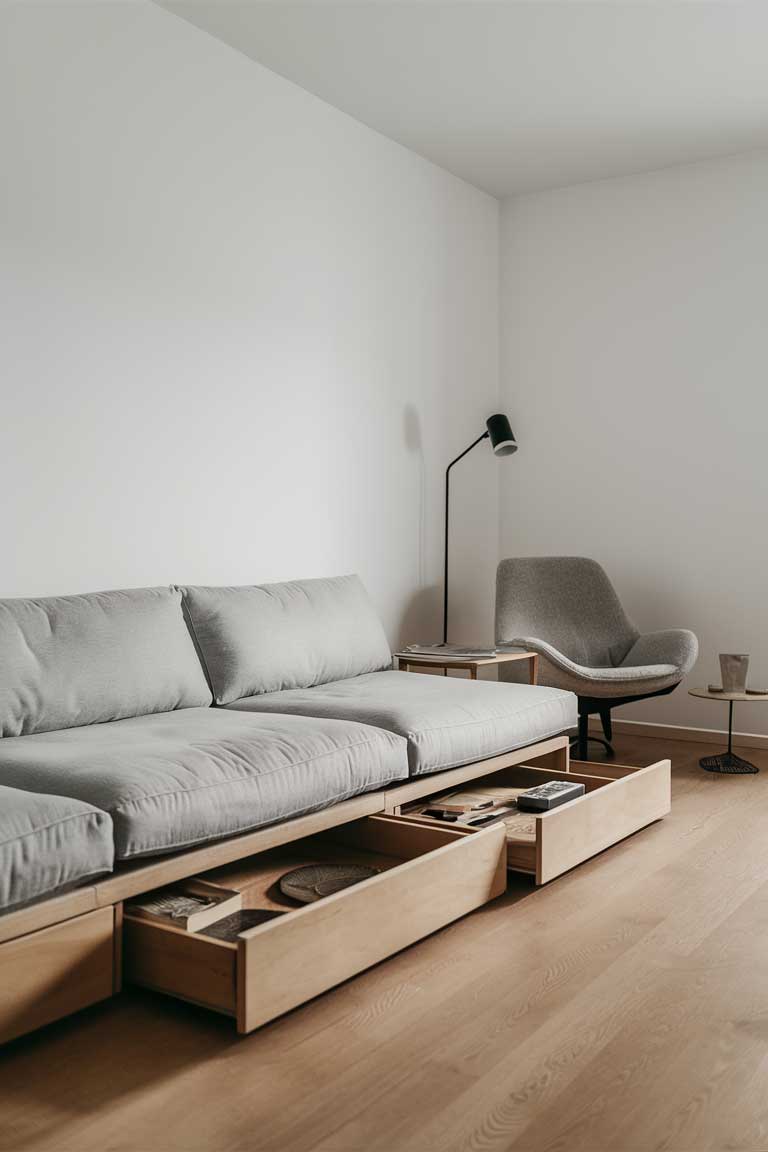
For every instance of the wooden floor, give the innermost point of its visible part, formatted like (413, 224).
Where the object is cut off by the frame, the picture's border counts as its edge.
(624, 1008)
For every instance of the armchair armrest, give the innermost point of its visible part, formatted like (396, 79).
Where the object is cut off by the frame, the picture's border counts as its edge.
(675, 646)
(632, 669)
(533, 644)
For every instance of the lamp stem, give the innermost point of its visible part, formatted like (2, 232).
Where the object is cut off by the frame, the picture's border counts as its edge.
(445, 559)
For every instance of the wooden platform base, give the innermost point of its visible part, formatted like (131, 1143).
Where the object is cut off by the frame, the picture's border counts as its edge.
(620, 1009)
(48, 974)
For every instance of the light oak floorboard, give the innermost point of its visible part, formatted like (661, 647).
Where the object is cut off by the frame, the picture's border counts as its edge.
(622, 1008)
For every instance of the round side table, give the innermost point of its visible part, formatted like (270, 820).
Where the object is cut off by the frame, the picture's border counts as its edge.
(728, 761)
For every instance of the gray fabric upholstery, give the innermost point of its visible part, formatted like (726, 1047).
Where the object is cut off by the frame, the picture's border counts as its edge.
(72, 660)
(565, 608)
(49, 844)
(567, 601)
(447, 721)
(557, 670)
(186, 777)
(678, 646)
(274, 636)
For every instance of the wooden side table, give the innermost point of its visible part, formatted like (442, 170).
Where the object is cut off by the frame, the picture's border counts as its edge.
(405, 662)
(728, 761)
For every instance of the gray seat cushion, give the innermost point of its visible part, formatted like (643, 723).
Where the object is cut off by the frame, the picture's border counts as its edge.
(72, 660)
(274, 636)
(447, 721)
(49, 844)
(186, 777)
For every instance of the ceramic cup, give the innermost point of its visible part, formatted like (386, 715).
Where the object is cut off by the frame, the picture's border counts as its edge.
(733, 671)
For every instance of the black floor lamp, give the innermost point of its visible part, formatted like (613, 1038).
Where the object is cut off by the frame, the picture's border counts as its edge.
(503, 444)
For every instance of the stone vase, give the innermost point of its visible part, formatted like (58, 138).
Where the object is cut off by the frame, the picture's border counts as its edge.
(733, 671)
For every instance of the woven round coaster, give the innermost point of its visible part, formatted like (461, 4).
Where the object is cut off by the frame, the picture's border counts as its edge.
(314, 881)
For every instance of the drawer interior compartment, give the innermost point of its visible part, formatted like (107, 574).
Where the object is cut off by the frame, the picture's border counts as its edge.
(277, 953)
(617, 801)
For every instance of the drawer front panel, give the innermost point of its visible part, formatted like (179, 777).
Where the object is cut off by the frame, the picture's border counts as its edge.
(569, 835)
(56, 971)
(183, 964)
(284, 964)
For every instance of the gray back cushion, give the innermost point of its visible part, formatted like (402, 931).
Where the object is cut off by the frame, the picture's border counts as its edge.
(264, 638)
(66, 661)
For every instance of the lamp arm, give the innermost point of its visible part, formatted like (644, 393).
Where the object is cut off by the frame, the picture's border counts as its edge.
(445, 558)
(462, 454)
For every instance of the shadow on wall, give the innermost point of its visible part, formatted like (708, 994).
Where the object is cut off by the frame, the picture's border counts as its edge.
(415, 447)
(420, 620)
(420, 623)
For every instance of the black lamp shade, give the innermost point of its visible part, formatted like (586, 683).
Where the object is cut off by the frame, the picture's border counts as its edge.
(502, 440)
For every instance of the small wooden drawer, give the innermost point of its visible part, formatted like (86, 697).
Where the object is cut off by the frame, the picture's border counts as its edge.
(429, 875)
(49, 973)
(618, 800)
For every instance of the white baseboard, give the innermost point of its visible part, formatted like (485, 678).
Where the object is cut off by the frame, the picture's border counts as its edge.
(672, 732)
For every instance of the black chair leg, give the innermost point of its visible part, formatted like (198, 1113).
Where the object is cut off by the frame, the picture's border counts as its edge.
(605, 716)
(583, 738)
(581, 743)
(601, 706)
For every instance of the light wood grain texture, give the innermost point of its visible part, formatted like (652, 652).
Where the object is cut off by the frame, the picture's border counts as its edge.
(429, 876)
(47, 912)
(618, 801)
(569, 835)
(185, 964)
(742, 697)
(559, 760)
(142, 877)
(415, 661)
(530, 776)
(610, 770)
(556, 750)
(400, 836)
(257, 879)
(117, 949)
(288, 961)
(620, 1009)
(58, 970)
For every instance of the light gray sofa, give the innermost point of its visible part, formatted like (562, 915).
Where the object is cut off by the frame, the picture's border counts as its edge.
(49, 844)
(331, 662)
(141, 722)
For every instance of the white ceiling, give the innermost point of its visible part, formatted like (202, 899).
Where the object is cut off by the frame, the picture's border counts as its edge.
(525, 94)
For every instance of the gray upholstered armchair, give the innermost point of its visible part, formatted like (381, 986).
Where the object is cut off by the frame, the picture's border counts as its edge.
(565, 608)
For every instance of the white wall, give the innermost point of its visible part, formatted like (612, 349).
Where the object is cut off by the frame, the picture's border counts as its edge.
(240, 333)
(635, 358)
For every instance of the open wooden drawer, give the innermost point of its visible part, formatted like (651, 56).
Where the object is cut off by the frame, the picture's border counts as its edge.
(429, 875)
(618, 800)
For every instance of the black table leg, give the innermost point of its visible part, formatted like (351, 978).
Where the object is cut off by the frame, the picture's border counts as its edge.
(728, 762)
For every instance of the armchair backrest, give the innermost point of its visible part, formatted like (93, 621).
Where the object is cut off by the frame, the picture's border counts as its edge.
(567, 601)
